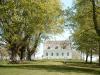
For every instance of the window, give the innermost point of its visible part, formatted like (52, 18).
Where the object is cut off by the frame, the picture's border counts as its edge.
(67, 53)
(51, 54)
(56, 47)
(48, 47)
(46, 54)
(62, 54)
(57, 54)
(64, 47)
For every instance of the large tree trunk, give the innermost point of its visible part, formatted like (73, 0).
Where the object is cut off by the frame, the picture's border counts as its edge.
(22, 54)
(14, 53)
(29, 56)
(13, 56)
(22, 46)
(30, 52)
(36, 43)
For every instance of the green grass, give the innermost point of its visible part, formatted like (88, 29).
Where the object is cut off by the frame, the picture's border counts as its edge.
(49, 68)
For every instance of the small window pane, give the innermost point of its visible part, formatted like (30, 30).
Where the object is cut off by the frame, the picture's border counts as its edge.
(48, 47)
(57, 54)
(46, 54)
(64, 47)
(67, 53)
(51, 54)
(56, 47)
(62, 54)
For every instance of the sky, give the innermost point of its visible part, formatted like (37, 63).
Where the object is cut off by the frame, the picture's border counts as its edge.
(67, 3)
(65, 35)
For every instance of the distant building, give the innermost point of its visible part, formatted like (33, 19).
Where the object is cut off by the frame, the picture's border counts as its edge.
(59, 50)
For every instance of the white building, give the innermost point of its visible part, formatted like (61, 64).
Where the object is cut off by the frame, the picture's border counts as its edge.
(58, 50)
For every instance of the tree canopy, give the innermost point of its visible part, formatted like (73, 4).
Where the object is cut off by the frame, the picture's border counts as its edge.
(21, 20)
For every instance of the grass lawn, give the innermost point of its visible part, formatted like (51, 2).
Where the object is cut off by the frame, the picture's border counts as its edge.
(48, 68)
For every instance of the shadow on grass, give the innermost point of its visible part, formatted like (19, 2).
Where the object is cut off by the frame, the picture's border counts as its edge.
(82, 64)
(54, 68)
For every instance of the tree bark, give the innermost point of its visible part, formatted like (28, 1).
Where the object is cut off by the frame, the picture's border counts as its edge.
(91, 57)
(13, 56)
(22, 54)
(36, 43)
(87, 55)
(29, 56)
(14, 52)
(33, 50)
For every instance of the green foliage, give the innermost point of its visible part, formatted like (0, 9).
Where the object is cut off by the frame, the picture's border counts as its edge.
(81, 21)
(21, 20)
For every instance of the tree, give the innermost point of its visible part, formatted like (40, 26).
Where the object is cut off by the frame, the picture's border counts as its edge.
(96, 24)
(20, 20)
(86, 42)
(83, 26)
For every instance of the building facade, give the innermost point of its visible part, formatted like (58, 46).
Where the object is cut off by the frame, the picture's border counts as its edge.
(57, 50)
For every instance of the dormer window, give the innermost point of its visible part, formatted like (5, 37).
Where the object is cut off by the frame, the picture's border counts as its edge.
(51, 54)
(56, 47)
(62, 54)
(64, 47)
(57, 54)
(48, 47)
(46, 54)
(67, 53)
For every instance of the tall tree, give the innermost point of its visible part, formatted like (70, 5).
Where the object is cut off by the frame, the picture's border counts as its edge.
(96, 24)
(22, 19)
(83, 24)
